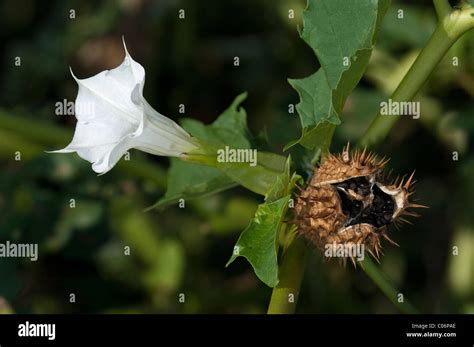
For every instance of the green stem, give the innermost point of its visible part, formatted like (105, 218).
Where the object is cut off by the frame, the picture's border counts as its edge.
(392, 294)
(448, 31)
(442, 7)
(285, 294)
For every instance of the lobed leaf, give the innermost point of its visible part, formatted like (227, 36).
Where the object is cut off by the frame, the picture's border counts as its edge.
(342, 34)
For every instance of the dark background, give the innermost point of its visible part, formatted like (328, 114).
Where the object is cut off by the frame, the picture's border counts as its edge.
(176, 250)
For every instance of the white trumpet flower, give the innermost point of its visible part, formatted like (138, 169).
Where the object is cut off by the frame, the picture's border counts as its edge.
(113, 117)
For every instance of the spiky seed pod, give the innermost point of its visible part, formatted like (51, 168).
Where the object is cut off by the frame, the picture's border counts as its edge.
(349, 201)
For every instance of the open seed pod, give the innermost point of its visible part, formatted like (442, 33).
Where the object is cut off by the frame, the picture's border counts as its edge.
(349, 202)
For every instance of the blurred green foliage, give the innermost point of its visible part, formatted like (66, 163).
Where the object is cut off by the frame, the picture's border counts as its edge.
(83, 250)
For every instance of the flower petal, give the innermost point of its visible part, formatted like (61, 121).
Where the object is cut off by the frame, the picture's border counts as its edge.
(111, 156)
(113, 89)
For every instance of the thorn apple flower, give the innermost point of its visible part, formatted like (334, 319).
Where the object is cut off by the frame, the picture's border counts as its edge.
(118, 118)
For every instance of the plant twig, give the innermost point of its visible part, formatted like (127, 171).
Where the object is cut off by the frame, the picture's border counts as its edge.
(285, 294)
(448, 31)
(392, 294)
(442, 7)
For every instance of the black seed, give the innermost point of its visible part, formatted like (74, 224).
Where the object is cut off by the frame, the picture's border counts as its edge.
(363, 190)
(378, 214)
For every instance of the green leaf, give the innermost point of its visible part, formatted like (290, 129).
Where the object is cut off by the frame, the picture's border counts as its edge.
(260, 178)
(281, 186)
(341, 34)
(189, 180)
(284, 184)
(230, 127)
(257, 243)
